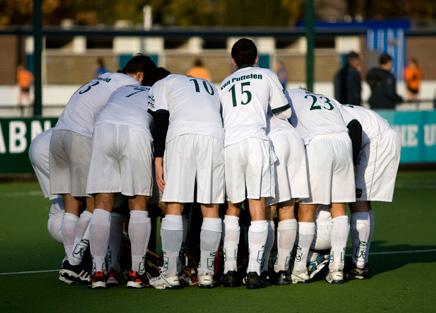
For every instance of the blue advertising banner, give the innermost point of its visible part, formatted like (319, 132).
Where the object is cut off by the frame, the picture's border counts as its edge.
(418, 134)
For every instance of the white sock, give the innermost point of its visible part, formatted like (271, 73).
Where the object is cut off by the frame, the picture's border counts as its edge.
(210, 237)
(172, 236)
(182, 259)
(80, 243)
(257, 236)
(360, 232)
(268, 246)
(138, 236)
(231, 243)
(340, 230)
(306, 233)
(99, 239)
(69, 223)
(115, 241)
(371, 229)
(286, 235)
(147, 239)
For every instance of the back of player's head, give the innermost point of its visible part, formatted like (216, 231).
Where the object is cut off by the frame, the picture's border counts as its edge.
(244, 52)
(353, 55)
(138, 63)
(384, 59)
(154, 75)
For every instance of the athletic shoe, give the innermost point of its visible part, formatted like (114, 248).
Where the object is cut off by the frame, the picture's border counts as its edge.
(165, 282)
(98, 281)
(73, 273)
(265, 278)
(188, 277)
(353, 272)
(113, 278)
(231, 279)
(300, 278)
(279, 278)
(206, 281)
(335, 277)
(254, 281)
(134, 280)
(317, 264)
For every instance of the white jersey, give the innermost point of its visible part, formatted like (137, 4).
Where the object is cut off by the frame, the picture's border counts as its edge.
(276, 124)
(247, 96)
(315, 114)
(128, 106)
(372, 124)
(81, 110)
(193, 105)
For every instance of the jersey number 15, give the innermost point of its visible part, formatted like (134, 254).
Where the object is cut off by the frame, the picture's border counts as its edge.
(245, 93)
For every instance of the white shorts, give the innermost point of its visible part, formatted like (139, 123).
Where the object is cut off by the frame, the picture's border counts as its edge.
(249, 166)
(194, 160)
(121, 161)
(39, 155)
(70, 154)
(377, 168)
(290, 168)
(330, 166)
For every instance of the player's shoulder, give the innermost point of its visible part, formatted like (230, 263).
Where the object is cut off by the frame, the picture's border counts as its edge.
(117, 78)
(297, 92)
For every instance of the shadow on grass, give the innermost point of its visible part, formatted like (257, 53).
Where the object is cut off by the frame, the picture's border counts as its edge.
(385, 258)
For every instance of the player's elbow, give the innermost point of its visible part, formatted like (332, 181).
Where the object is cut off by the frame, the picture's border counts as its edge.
(283, 112)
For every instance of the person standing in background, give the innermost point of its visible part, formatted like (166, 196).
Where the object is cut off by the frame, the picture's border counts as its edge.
(383, 85)
(282, 74)
(348, 82)
(199, 70)
(412, 78)
(24, 81)
(101, 68)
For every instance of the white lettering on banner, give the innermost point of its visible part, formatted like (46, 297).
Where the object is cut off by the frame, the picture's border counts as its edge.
(2, 141)
(430, 135)
(17, 137)
(36, 128)
(409, 135)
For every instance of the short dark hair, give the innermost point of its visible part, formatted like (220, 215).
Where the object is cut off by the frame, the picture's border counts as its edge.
(154, 75)
(384, 58)
(353, 55)
(244, 52)
(138, 63)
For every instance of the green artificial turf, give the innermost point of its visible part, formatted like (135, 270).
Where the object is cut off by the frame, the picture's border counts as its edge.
(401, 281)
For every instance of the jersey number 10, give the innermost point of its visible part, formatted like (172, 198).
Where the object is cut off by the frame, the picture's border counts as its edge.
(206, 85)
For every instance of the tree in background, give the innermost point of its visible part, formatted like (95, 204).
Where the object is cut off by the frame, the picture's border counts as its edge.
(210, 12)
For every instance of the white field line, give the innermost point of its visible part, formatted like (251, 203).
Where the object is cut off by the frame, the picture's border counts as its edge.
(32, 193)
(372, 253)
(28, 272)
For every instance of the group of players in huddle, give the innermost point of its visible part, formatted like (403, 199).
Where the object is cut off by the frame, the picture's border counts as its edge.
(293, 156)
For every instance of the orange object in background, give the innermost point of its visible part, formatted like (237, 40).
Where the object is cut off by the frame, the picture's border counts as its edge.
(24, 78)
(199, 70)
(413, 76)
